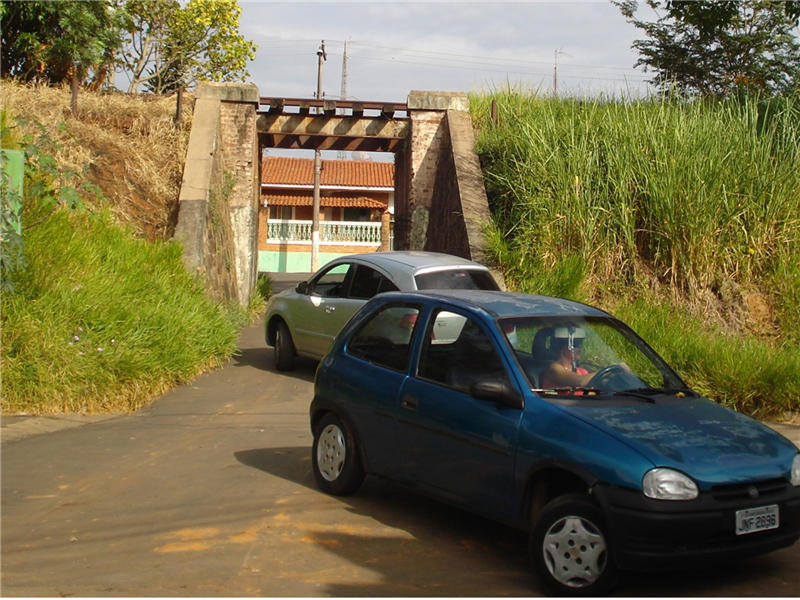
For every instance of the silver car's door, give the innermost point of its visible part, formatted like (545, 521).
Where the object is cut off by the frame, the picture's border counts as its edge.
(321, 313)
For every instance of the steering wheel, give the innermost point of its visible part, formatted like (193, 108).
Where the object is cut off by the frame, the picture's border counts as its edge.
(605, 373)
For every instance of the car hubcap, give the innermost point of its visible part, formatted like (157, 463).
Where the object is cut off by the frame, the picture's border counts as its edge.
(575, 552)
(331, 452)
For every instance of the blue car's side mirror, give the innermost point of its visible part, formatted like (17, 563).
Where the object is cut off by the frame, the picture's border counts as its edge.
(301, 288)
(497, 390)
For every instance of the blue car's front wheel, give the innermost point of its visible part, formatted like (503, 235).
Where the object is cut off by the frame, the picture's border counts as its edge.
(569, 547)
(336, 463)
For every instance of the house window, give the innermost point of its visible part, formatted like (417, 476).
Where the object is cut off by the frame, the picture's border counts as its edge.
(282, 213)
(356, 214)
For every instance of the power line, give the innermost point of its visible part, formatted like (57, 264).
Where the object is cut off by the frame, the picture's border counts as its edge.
(449, 60)
(459, 58)
(543, 73)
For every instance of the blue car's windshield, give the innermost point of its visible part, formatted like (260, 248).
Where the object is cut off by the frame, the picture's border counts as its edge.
(585, 356)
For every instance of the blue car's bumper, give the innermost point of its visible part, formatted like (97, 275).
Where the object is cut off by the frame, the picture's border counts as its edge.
(657, 534)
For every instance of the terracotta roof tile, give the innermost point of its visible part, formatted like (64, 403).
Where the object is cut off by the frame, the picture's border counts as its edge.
(280, 170)
(324, 201)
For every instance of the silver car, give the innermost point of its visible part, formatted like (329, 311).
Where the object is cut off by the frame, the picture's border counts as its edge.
(305, 321)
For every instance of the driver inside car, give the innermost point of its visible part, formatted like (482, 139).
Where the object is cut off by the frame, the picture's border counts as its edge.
(565, 370)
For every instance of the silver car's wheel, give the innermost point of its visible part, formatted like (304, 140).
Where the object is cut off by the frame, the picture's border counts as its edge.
(331, 453)
(575, 552)
(569, 547)
(335, 458)
(284, 348)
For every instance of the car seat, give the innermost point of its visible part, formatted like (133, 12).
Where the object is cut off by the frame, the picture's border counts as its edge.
(542, 353)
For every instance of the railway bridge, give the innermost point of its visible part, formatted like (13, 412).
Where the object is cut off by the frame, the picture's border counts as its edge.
(440, 200)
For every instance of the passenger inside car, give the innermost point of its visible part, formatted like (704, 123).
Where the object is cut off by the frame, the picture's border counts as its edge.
(565, 370)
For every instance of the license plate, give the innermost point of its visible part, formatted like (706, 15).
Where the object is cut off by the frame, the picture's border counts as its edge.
(757, 519)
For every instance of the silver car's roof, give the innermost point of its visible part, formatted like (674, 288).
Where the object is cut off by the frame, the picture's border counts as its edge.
(412, 261)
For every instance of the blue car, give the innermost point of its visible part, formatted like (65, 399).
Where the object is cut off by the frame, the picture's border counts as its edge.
(556, 418)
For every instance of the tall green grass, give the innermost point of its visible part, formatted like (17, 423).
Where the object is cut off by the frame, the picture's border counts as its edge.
(102, 321)
(611, 201)
(700, 192)
(742, 372)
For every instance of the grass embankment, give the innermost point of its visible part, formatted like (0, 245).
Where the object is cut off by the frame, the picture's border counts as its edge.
(105, 316)
(680, 217)
(101, 321)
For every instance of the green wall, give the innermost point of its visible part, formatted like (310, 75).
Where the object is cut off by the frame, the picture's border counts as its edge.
(292, 262)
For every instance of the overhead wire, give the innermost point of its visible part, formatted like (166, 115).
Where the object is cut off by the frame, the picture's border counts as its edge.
(449, 60)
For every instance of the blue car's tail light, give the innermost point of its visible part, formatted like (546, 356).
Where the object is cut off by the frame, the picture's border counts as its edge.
(666, 484)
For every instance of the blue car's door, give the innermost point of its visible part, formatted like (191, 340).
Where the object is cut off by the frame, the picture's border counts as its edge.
(369, 379)
(454, 444)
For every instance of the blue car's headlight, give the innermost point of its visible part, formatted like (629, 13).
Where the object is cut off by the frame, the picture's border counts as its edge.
(796, 470)
(666, 484)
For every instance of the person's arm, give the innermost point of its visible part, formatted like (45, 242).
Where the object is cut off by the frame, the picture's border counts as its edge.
(562, 376)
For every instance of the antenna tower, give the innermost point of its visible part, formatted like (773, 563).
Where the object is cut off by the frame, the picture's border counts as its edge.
(342, 155)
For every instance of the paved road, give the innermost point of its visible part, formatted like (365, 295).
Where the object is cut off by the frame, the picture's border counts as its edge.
(209, 492)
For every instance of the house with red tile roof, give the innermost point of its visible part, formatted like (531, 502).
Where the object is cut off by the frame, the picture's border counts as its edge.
(356, 206)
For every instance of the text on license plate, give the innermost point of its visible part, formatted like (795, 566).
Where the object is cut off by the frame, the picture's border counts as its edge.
(757, 519)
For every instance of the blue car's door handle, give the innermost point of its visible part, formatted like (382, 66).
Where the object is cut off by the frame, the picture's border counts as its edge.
(410, 402)
(330, 309)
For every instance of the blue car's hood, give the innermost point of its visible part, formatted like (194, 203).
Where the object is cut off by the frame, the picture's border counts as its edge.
(712, 444)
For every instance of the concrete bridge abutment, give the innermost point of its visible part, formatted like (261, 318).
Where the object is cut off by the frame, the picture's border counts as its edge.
(218, 203)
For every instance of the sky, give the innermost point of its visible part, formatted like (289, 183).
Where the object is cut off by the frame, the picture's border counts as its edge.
(396, 47)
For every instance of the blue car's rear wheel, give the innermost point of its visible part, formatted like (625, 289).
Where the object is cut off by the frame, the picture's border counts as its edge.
(334, 456)
(570, 549)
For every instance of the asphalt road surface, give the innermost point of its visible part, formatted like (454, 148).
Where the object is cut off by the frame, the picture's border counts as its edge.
(209, 492)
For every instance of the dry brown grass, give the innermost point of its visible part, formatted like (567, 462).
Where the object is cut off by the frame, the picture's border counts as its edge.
(126, 144)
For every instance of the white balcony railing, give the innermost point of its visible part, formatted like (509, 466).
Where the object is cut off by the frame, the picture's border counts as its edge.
(365, 233)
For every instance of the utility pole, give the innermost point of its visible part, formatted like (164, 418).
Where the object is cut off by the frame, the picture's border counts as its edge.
(342, 154)
(321, 56)
(555, 70)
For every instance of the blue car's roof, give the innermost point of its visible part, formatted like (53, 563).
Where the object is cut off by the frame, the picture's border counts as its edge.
(505, 304)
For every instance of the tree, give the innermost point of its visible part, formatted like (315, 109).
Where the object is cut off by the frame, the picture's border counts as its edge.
(48, 40)
(715, 48)
(169, 45)
(709, 16)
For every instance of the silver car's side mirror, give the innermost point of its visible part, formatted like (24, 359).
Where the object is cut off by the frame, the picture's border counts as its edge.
(301, 288)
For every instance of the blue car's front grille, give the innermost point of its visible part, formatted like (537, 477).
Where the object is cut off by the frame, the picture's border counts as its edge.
(745, 491)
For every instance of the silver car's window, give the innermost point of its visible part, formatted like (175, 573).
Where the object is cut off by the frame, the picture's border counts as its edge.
(331, 283)
(386, 338)
(456, 279)
(367, 282)
(457, 352)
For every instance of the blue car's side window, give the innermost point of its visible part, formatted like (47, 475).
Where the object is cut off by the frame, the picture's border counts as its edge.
(386, 338)
(459, 352)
